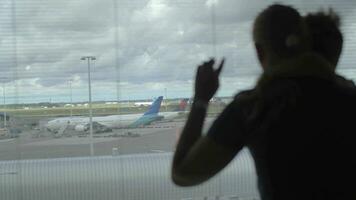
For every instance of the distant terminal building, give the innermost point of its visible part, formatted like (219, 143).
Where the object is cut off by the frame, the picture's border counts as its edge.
(143, 103)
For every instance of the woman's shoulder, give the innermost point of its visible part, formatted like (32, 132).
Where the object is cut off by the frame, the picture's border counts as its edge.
(244, 93)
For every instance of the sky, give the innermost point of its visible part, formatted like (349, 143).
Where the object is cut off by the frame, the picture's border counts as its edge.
(142, 47)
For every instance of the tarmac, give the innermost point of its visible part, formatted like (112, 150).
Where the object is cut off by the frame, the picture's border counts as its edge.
(156, 138)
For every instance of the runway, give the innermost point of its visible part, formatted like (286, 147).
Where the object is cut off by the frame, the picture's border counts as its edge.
(155, 138)
(22, 148)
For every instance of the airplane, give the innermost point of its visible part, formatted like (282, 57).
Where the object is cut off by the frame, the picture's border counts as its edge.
(124, 177)
(169, 116)
(112, 121)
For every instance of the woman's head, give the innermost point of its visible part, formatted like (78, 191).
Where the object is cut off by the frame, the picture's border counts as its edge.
(279, 33)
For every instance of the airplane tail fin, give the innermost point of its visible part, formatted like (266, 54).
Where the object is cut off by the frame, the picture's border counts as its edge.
(150, 115)
(182, 105)
(154, 108)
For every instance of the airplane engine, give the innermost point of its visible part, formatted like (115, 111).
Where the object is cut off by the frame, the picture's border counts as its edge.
(81, 128)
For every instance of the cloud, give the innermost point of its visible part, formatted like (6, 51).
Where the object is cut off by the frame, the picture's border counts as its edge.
(142, 45)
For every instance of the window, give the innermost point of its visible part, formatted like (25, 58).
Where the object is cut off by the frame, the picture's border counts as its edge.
(136, 51)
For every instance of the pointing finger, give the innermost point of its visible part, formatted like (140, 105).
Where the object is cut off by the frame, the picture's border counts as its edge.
(218, 70)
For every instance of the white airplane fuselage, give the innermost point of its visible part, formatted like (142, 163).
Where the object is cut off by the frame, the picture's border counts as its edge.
(112, 121)
(169, 116)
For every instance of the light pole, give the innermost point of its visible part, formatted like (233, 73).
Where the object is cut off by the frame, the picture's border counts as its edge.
(89, 58)
(71, 98)
(165, 98)
(4, 102)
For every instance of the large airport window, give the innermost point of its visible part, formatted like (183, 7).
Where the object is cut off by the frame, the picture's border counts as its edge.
(94, 93)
